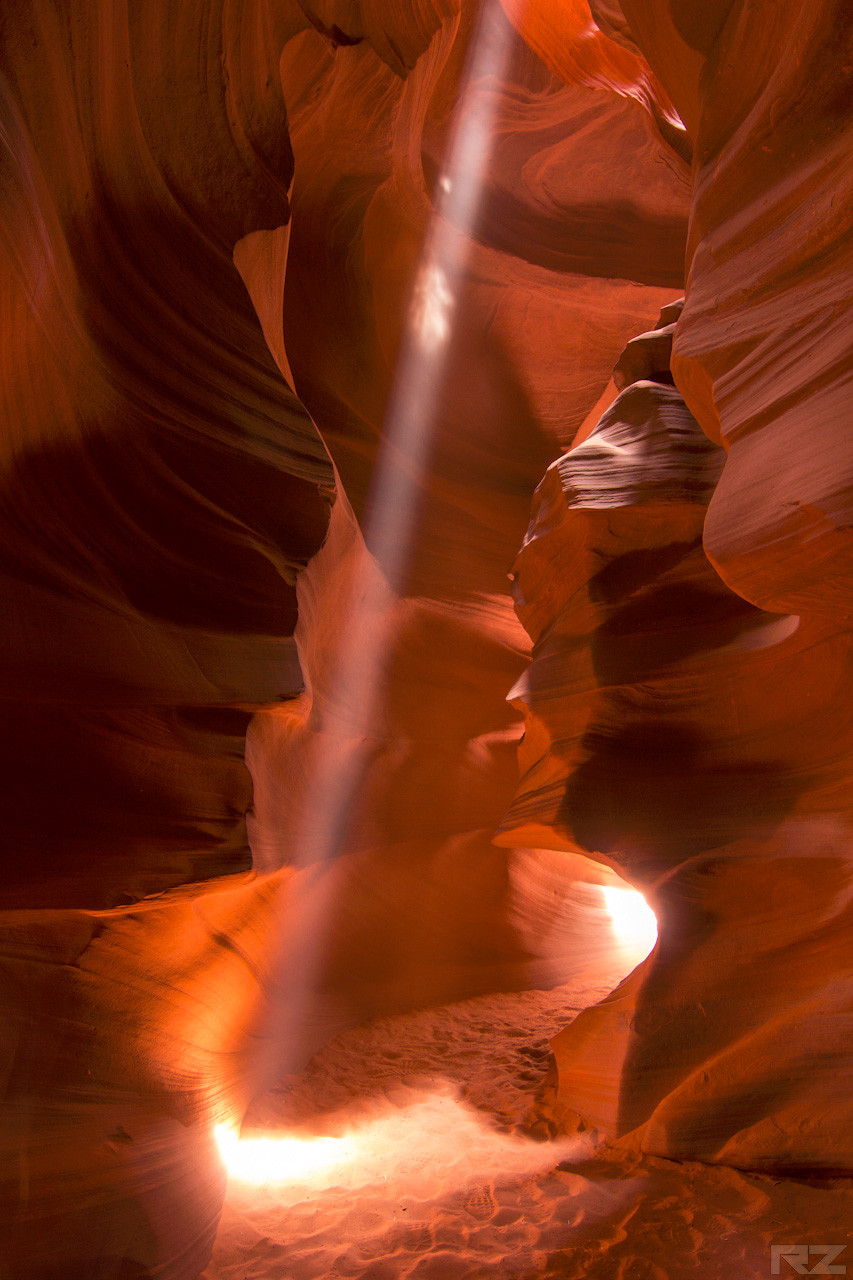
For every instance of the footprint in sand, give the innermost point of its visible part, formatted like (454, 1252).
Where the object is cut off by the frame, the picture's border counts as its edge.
(481, 1203)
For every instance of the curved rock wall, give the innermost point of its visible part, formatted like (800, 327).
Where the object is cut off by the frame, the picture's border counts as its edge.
(763, 349)
(174, 440)
(657, 741)
(762, 352)
(674, 731)
(543, 305)
(163, 487)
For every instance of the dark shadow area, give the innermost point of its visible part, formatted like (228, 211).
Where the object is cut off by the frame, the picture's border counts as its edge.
(634, 569)
(654, 794)
(665, 625)
(633, 245)
(158, 529)
(140, 800)
(103, 1268)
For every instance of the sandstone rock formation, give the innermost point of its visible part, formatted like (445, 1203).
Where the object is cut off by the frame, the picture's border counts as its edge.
(163, 487)
(656, 740)
(723, 791)
(214, 221)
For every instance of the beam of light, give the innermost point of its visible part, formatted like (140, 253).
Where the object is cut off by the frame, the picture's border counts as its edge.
(421, 364)
(335, 771)
(633, 920)
(431, 307)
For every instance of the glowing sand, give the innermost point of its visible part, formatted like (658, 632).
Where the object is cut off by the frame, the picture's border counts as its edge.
(424, 1144)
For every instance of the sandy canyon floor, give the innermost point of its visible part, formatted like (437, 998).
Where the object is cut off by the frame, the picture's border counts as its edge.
(401, 1151)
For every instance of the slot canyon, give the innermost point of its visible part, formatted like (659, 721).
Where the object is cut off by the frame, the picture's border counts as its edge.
(426, 544)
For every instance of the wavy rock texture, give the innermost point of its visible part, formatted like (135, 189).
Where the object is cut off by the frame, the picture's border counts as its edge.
(762, 352)
(656, 741)
(179, 443)
(657, 738)
(770, 261)
(163, 487)
(538, 313)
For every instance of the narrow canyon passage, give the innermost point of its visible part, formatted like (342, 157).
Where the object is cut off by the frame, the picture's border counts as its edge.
(425, 510)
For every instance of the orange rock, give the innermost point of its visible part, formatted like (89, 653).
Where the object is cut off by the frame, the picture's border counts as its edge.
(700, 747)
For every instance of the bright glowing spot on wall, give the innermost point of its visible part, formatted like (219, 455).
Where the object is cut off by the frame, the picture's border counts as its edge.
(633, 920)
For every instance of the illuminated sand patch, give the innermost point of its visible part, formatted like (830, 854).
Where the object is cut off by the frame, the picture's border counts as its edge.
(369, 1164)
(276, 1158)
(422, 1145)
(428, 1186)
(422, 1183)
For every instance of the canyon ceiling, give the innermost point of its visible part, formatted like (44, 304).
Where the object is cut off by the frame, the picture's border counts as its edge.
(616, 640)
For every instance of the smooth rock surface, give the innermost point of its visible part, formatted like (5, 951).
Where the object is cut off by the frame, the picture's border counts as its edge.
(163, 487)
(215, 244)
(657, 741)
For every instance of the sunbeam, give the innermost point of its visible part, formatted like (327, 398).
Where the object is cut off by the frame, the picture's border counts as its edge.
(334, 777)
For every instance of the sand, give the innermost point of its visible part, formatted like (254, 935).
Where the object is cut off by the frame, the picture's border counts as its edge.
(423, 1169)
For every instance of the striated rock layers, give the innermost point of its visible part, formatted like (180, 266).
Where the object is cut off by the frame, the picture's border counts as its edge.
(214, 220)
(702, 747)
(164, 485)
(679, 731)
(161, 487)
